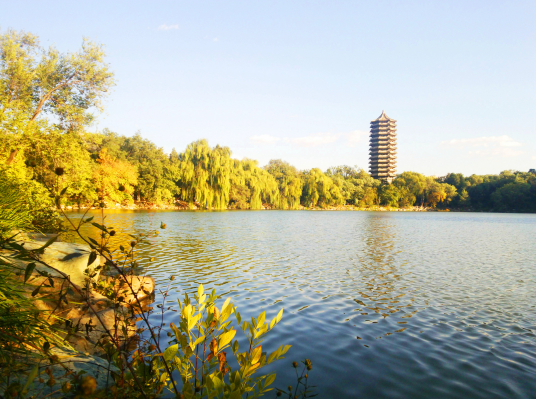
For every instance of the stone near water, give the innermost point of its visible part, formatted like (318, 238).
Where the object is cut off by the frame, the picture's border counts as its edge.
(97, 369)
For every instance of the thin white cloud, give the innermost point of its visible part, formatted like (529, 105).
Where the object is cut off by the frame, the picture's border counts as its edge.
(491, 141)
(355, 137)
(264, 139)
(502, 146)
(215, 39)
(533, 158)
(168, 27)
(497, 152)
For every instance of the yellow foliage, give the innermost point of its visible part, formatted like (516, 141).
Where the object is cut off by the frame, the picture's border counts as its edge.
(114, 178)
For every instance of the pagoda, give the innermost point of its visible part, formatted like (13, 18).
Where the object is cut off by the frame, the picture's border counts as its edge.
(383, 148)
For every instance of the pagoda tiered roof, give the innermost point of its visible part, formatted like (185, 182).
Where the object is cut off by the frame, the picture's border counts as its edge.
(383, 148)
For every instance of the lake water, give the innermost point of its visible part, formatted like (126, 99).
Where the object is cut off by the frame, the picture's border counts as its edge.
(385, 304)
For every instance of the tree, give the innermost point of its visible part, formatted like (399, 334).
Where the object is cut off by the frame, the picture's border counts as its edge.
(319, 189)
(406, 197)
(151, 162)
(60, 161)
(513, 196)
(43, 87)
(354, 185)
(414, 182)
(390, 195)
(288, 181)
(113, 178)
(205, 175)
(261, 184)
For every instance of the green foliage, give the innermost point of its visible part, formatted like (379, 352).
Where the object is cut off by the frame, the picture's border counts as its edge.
(59, 161)
(37, 81)
(24, 205)
(289, 184)
(200, 342)
(261, 184)
(320, 190)
(357, 186)
(14, 212)
(205, 175)
(25, 335)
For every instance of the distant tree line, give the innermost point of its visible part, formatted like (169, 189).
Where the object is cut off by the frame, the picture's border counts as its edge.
(109, 168)
(48, 100)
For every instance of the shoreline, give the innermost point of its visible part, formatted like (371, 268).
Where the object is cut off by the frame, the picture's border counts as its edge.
(182, 206)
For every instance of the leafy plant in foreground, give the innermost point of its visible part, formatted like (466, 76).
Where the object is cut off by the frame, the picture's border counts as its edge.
(198, 351)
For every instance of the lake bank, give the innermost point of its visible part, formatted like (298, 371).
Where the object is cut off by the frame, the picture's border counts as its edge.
(183, 206)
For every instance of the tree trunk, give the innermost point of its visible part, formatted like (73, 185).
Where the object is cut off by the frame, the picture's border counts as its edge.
(12, 156)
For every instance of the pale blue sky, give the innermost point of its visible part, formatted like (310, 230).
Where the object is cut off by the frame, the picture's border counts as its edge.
(301, 80)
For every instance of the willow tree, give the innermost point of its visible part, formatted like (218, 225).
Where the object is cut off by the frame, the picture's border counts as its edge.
(205, 175)
(319, 189)
(219, 176)
(239, 194)
(261, 184)
(289, 183)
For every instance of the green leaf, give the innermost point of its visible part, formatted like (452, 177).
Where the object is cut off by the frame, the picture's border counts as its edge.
(36, 291)
(199, 340)
(29, 270)
(18, 247)
(225, 313)
(29, 381)
(64, 191)
(285, 349)
(170, 352)
(256, 355)
(225, 304)
(261, 318)
(276, 319)
(100, 226)
(89, 219)
(163, 377)
(235, 395)
(225, 338)
(48, 243)
(92, 257)
(261, 331)
(269, 380)
(193, 321)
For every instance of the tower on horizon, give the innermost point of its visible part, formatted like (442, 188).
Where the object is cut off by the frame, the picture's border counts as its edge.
(383, 148)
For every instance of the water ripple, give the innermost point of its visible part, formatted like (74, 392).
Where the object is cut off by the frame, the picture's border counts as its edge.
(387, 305)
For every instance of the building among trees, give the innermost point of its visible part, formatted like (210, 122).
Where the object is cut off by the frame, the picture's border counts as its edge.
(383, 148)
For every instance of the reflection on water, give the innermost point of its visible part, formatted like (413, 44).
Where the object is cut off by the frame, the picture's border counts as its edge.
(387, 305)
(385, 280)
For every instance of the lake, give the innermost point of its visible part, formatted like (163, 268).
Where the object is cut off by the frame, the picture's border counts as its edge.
(385, 304)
